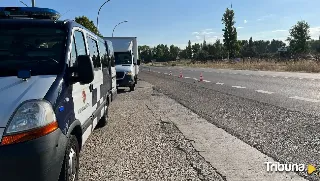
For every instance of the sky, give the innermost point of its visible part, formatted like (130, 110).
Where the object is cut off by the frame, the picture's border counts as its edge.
(177, 21)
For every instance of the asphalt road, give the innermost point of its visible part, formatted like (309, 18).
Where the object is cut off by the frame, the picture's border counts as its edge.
(294, 91)
(275, 113)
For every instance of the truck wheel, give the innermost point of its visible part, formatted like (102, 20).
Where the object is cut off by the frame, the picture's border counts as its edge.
(132, 88)
(70, 166)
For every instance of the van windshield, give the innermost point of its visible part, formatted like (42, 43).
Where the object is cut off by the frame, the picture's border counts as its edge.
(34, 48)
(123, 58)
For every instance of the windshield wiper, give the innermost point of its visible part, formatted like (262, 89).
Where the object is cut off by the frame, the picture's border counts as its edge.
(41, 60)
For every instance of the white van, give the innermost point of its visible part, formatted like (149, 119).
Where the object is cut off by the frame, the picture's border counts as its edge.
(55, 88)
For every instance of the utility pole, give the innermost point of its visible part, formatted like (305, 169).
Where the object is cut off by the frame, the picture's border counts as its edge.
(33, 3)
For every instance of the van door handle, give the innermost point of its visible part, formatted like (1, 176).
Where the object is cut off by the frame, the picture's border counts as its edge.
(91, 87)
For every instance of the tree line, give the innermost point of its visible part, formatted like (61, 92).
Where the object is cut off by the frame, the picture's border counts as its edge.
(300, 46)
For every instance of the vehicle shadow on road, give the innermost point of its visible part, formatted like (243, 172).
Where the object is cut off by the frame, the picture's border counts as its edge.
(122, 90)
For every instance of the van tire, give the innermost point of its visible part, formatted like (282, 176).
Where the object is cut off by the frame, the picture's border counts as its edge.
(72, 149)
(104, 119)
(135, 80)
(132, 87)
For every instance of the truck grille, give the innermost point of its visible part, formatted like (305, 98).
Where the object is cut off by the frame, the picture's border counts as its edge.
(120, 75)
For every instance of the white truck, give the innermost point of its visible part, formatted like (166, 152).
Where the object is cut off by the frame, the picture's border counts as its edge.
(126, 60)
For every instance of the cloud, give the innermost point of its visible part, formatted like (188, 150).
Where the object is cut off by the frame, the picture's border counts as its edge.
(265, 17)
(198, 37)
(245, 21)
(195, 33)
(240, 27)
(275, 31)
(315, 32)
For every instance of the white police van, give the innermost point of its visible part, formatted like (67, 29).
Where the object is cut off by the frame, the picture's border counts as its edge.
(55, 87)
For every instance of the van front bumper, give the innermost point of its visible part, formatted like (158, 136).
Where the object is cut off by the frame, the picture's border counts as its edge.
(37, 160)
(126, 81)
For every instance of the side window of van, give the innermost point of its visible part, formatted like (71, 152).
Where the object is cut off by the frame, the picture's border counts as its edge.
(73, 57)
(103, 54)
(80, 45)
(94, 54)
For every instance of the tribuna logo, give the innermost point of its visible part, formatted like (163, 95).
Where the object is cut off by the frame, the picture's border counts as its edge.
(287, 167)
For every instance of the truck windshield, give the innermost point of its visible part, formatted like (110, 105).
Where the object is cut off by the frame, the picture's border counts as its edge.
(122, 58)
(34, 48)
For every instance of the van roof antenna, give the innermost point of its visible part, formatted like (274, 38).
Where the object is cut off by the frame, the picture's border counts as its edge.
(24, 3)
(64, 13)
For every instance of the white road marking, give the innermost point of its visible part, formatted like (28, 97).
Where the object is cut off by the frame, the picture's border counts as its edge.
(195, 78)
(245, 162)
(264, 92)
(206, 81)
(300, 78)
(219, 83)
(286, 77)
(166, 73)
(274, 76)
(304, 99)
(187, 77)
(238, 87)
(247, 74)
(159, 72)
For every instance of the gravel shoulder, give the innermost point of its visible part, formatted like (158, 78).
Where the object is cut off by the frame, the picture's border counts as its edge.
(141, 143)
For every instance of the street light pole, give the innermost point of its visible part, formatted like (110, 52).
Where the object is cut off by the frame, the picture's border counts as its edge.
(99, 13)
(33, 3)
(117, 25)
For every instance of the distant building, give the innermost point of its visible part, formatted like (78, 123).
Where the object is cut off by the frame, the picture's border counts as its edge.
(283, 49)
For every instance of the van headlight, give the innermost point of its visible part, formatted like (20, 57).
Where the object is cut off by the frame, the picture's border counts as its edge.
(31, 120)
(129, 73)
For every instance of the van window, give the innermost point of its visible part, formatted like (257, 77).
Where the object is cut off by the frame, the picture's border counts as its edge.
(93, 51)
(123, 58)
(80, 45)
(73, 57)
(103, 54)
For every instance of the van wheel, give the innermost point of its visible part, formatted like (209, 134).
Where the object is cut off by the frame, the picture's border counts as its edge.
(132, 88)
(104, 119)
(70, 166)
(135, 80)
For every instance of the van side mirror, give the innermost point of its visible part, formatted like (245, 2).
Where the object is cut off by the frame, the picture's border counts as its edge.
(85, 69)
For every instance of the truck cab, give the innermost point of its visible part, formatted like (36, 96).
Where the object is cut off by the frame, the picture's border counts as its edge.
(126, 60)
